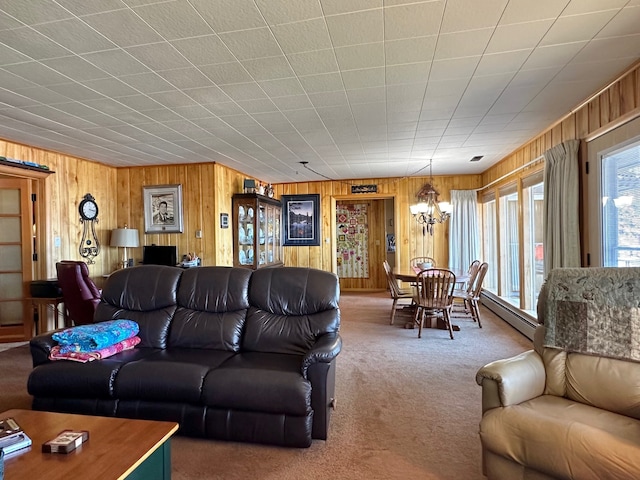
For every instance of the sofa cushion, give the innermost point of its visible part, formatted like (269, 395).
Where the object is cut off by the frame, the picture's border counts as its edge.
(262, 382)
(290, 308)
(146, 295)
(212, 308)
(174, 375)
(560, 437)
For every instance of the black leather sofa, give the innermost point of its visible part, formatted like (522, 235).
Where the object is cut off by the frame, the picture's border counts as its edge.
(228, 353)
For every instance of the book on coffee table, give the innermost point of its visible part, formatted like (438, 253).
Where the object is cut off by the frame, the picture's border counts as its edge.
(66, 441)
(15, 443)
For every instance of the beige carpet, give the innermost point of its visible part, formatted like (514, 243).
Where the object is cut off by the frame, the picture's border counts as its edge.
(407, 408)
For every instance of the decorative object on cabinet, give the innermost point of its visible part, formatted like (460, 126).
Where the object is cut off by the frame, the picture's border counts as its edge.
(257, 234)
(301, 220)
(249, 185)
(125, 238)
(163, 209)
(89, 245)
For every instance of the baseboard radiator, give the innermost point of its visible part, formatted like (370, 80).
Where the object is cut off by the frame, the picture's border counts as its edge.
(515, 317)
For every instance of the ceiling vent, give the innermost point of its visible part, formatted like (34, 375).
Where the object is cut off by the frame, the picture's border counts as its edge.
(477, 158)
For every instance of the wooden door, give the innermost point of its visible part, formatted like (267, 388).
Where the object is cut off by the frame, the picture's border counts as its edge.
(16, 250)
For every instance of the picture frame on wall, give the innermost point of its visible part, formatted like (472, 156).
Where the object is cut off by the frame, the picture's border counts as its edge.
(163, 209)
(301, 220)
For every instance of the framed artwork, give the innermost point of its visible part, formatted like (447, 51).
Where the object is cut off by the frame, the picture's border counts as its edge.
(301, 220)
(162, 209)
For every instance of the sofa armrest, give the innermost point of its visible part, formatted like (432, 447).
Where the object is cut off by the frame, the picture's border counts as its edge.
(512, 380)
(326, 348)
(40, 347)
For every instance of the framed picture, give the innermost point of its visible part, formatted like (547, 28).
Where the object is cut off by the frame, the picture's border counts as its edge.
(163, 209)
(301, 220)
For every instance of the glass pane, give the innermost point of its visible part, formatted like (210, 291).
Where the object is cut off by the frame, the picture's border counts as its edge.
(11, 313)
(10, 258)
(509, 247)
(10, 201)
(490, 245)
(533, 245)
(621, 208)
(10, 286)
(10, 230)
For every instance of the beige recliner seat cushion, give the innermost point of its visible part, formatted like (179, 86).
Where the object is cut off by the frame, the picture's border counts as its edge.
(564, 439)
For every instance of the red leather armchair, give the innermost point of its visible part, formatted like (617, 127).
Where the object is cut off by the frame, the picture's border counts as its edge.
(81, 296)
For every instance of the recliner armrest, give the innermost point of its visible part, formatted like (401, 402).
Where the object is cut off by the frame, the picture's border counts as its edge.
(40, 347)
(512, 380)
(326, 348)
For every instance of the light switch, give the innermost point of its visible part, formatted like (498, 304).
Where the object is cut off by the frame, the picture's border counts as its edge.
(56, 242)
(198, 233)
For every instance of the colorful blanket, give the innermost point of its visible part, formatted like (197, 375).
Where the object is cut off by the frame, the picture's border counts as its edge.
(85, 357)
(88, 338)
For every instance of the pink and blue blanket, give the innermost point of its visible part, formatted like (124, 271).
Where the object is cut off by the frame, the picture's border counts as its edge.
(95, 336)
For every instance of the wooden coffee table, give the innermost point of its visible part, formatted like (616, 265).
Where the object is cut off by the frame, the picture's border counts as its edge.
(117, 448)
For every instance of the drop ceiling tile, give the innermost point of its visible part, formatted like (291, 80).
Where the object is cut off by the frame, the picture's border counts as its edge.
(225, 73)
(461, 15)
(31, 43)
(269, 68)
(282, 87)
(309, 63)
(553, 55)
(138, 102)
(35, 11)
(172, 99)
(454, 68)
(520, 11)
(360, 56)
(415, 20)
(225, 108)
(365, 78)
(514, 99)
(110, 87)
(576, 28)
(183, 78)
(40, 94)
(518, 36)
(409, 50)
(174, 19)
(538, 76)
(123, 27)
(302, 36)
(37, 73)
(328, 99)
(108, 106)
(205, 50)
(292, 102)
(321, 83)
(355, 28)
(286, 11)
(15, 99)
(75, 68)
(502, 62)
(229, 15)
(7, 22)
(576, 7)
(334, 7)
(147, 83)
(86, 7)
(624, 23)
(115, 62)
(609, 48)
(13, 82)
(75, 35)
(408, 73)
(244, 91)
(9, 55)
(159, 56)
(247, 44)
(366, 95)
(262, 105)
(463, 44)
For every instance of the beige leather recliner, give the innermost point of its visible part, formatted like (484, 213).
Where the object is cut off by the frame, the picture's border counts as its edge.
(570, 408)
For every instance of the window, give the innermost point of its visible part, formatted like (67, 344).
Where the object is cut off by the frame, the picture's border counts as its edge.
(620, 187)
(533, 238)
(489, 242)
(508, 246)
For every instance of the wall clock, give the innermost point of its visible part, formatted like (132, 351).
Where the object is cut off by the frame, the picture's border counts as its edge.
(89, 245)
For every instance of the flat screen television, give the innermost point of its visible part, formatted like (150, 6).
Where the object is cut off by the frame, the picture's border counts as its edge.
(160, 255)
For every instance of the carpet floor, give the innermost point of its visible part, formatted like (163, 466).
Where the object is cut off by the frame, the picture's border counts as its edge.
(407, 408)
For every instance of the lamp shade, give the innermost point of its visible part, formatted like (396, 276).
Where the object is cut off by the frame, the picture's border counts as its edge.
(124, 237)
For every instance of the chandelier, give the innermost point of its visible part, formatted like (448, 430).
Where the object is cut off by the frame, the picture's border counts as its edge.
(429, 211)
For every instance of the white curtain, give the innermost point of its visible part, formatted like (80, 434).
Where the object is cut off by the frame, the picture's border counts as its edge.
(560, 214)
(464, 236)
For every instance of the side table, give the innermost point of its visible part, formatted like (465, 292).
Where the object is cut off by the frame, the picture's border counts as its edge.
(41, 306)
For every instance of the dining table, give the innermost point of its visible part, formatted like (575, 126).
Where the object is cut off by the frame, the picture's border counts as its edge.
(411, 276)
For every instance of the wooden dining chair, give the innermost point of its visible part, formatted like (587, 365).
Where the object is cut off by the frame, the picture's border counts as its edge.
(435, 296)
(396, 292)
(421, 262)
(471, 295)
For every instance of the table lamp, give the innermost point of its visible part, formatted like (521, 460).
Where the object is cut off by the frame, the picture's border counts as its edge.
(126, 238)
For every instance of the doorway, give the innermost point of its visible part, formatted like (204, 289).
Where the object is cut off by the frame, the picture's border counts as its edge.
(364, 236)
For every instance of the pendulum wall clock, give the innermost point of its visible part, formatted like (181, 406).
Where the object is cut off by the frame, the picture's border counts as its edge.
(89, 246)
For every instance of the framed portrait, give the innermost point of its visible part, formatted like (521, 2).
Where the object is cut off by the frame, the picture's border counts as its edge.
(301, 220)
(163, 209)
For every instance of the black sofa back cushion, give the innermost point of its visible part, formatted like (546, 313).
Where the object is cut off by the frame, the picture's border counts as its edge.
(145, 294)
(212, 308)
(290, 308)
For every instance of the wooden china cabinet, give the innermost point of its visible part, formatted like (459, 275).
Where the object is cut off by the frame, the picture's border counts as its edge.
(257, 235)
